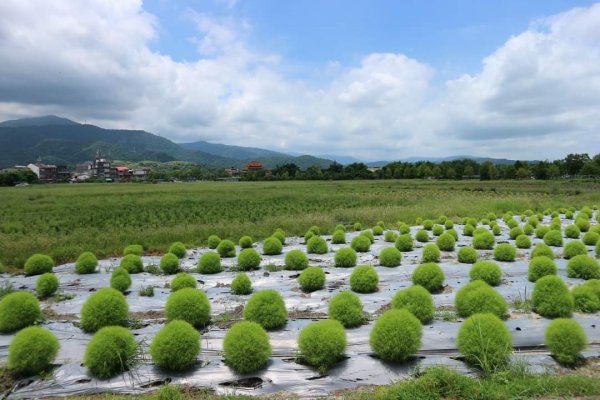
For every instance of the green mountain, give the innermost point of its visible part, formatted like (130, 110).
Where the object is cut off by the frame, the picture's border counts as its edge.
(37, 121)
(230, 151)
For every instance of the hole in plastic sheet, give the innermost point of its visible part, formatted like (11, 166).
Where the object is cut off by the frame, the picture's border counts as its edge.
(252, 382)
(156, 383)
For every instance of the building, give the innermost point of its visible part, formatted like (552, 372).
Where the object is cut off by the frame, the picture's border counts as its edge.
(122, 173)
(253, 166)
(50, 172)
(141, 173)
(100, 167)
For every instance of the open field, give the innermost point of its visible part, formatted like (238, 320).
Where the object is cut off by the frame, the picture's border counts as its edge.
(64, 220)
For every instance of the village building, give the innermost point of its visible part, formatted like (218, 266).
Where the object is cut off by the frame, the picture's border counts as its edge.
(49, 172)
(253, 166)
(100, 167)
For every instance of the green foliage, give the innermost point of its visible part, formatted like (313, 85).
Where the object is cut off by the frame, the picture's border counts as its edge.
(369, 234)
(468, 230)
(246, 347)
(309, 234)
(430, 276)
(46, 285)
(364, 279)
(272, 246)
(340, 227)
(431, 253)
(120, 279)
(585, 298)
(178, 249)
(377, 230)
(338, 237)
(183, 280)
(245, 242)
(146, 291)
(32, 351)
(542, 249)
(315, 229)
(583, 224)
(417, 300)
(132, 263)
(316, 245)
(241, 284)
(528, 229)
(248, 259)
(396, 335)
(422, 236)
(484, 240)
(86, 263)
(390, 237)
(345, 258)
(591, 238)
(583, 267)
(38, 264)
(487, 271)
(134, 249)
(574, 248)
(403, 228)
(551, 297)
(467, 255)
(523, 242)
(360, 243)
(428, 224)
(404, 242)
(226, 248)
(514, 232)
(106, 307)
(346, 307)
(572, 232)
(213, 241)
(445, 242)
(209, 263)
(296, 260)
(267, 308)
(553, 238)
(169, 263)
(479, 297)
(190, 305)
(541, 231)
(449, 224)
(322, 343)
(496, 230)
(390, 257)
(279, 234)
(110, 352)
(176, 346)
(485, 341)
(541, 266)
(566, 340)
(505, 252)
(311, 279)
(18, 310)
(437, 230)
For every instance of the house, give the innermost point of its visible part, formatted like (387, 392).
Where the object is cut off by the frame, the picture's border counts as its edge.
(141, 173)
(50, 172)
(122, 173)
(100, 167)
(253, 166)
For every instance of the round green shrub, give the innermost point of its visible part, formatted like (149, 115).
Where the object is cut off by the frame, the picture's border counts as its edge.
(296, 260)
(553, 238)
(272, 246)
(566, 340)
(267, 308)
(541, 231)
(574, 248)
(422, 236)
(248, 259)
(403, 228)
(241, 284)
(572, 232)
(245, 242)
(431, 253)
(449, 224)
(135, 249)
(396, 335)
(404, 242)
(176, 346)
(417, 300)
(120, 279)
(106, 307)
(190, 305)
(311, 279)
(360, 243)
(484, 241)
(38, 264)
(591, 238)
(391, 237)
(169, 263)
(308, 235)
(316, 245)
(453, 233)
(583, 267)
(551, 297)
(528, 229)
(132, 263)
(542, 249)
(377, 230)
(369, 234)
(46, 285)
(583, 224)
(345, 258)
(437, 230)
(390, 257)
(178, 249)
(338, 237)
(496, 230)
(279, 234)
(479, 297)
(485, 341)
(487, 271)
(511, 223)
(514, 232)
(505, 252)
(213, 241)
(183, 280)
(209, 263)
(541, 266)
(32, 351)
(585, 298)
(555, 224)
(346, 307)
(246, 347)
(110, 352)
(86, 263)
(364, 279)
(315, 229)
(322, 343)
(428, 224)
(430, 276)
(226, 248)
(445, 242)
(340, 227)
(18, 310)
(468, 230)
(523, 242)
(357, 226)
(467, 255)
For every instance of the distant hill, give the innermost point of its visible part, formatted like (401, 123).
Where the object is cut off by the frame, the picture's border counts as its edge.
(37, 121)
(415, 159)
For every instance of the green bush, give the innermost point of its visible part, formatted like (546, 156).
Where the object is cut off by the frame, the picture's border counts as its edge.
(169, 263)
(190, 305)
(449, 224)
(404, 242)
(445, 242)
(485, 341)
(528, 229)
(267, 308)
(213, 241)
(583, 224)
(555, 224)
(512, 223)
(46, 285)
(487, 271)
(308, 235)
(322, 343)
(591, 238)
(403, 228)
(541, 266)
(574, 248)
(132, 263)
(542, 249)
(428, 224)
(316, 245)
(248, 259)
(340, 227)
(272, 246)
(18, 310)
(484, 240)
(315, 229)
(396, 335)
(245, 242)
(178, 249)
(226, 248)
(296, 260)
(430, 276)
(110, 352)
(437, 230)
(390, 257)
(551, 297)
(583, 267)
(338, 237)
(360, 243)
(32, 351)
(523, 242)
(467, 255)
(364, 279)
(422, 236)
(496, 230)
(377, 230)
(176, 346)
(346, 307)
(514, 232)
(391, 237)
(431, 253)
(86, 263)
(135, 249)
(120, 279)
(183, 280)
(106, 307)
(241, 284)
(505, 252)
(246, 347)
(345, 258)
(553, 238)
(479, 297)
(572, 232)
(279, 234)
(311, 279)
(369, 234)
(585, 298)
(566, 340)
(468, 230)
(209, 263)
(38, 264)
(417, 300)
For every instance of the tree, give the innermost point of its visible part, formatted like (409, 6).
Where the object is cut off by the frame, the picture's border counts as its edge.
(575, 162)
(488, 171)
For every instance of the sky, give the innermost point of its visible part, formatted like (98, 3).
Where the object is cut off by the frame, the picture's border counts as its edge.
(377, 80)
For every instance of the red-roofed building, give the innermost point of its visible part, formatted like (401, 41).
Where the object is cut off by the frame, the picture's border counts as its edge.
(122, 173)
(254, 166)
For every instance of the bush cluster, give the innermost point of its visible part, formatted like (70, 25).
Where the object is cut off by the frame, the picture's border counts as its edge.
(346, 307)
(515, 232)
(86, 263)
(566, 340)
(541, 266)
(542, 249)
(445, 242)
(364, 279)
(132, 263)
(209, 263)
(553, 238)
(106, 307)
(183, 280)
(279, 234)
(245, 242)
(523, 242)
(272, 246)
(120, 279)
(417, 300)
(246, 347)
(267, 308)
(431, 253)
(46, 285)
(541, 231)
(396, 335)
(176, 346)
(248, 259)
(505, 252)
(437, 230)
(574, 248)
(467, 255)
(479, 297)
(345, 258)
(241, 284)
(390, 257)
(591, 238)
(338, 237)
(377, 230)
(422, 236)
(213, 241)
(551, 297)
(360, 243)
(169, 263)
(226, 248)
(468, 230)
(369, 234)
(18, 310)
(583, 267)
(583, 224)
(322, 343)
(484, 240)
(572, 232)
(110, 352)
(430, 276)
(404, 242)
(190, 305)
(391, 237)
(296, 260)
(38, 264)
(487, 271)
(428, 224)
(585, 299)
(135, 249)
(311, 279)
(32, 351)
(178, 249)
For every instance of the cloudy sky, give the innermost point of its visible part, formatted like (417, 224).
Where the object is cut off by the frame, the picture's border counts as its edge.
(374, 79)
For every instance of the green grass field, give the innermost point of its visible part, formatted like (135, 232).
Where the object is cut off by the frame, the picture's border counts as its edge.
(64, 220)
